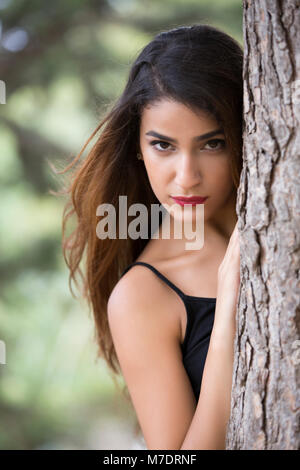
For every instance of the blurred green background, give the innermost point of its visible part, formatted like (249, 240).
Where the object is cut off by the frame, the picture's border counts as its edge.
(63, 62)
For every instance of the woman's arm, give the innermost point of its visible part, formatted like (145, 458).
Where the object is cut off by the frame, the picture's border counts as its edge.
(146, 333)
(208, 427)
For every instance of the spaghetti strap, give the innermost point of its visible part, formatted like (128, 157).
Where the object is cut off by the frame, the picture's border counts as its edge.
(159, 274)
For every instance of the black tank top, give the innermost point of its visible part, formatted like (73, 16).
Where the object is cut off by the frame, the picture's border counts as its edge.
(200, 318)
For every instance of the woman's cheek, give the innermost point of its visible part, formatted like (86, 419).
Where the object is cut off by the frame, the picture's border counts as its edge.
(156, 179)
(222, 177)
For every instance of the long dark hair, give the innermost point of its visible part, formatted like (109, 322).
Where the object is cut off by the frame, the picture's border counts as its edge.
(199, 66)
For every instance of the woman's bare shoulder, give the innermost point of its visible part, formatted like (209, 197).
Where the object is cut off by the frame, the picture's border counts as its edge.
(133, 285)
(139, 284)
(140, 290)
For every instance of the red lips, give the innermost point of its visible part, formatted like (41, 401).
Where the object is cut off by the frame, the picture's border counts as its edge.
(189, 200)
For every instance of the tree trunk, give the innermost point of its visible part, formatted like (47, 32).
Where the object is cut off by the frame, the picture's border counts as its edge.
(265, 402)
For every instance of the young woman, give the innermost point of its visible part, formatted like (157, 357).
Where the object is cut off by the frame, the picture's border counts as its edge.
(165, 315)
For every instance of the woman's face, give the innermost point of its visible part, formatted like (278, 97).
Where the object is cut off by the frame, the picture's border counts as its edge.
(181, 161)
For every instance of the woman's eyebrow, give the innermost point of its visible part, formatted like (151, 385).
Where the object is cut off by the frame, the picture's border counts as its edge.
(197, 138)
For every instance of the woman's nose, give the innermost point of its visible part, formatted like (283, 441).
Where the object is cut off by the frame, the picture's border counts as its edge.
(188, 173)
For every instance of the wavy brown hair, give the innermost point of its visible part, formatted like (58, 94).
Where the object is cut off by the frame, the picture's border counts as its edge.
(199, 66)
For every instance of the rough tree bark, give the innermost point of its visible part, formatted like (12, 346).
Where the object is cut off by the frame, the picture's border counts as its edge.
(265, 402)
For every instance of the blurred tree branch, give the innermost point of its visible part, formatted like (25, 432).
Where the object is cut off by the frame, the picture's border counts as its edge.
(33, 148)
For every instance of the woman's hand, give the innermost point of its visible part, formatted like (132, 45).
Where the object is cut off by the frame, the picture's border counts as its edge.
(228, 282)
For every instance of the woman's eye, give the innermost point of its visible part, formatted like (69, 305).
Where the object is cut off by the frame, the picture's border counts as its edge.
(221, 143)
(159, 142)
(215, 144)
